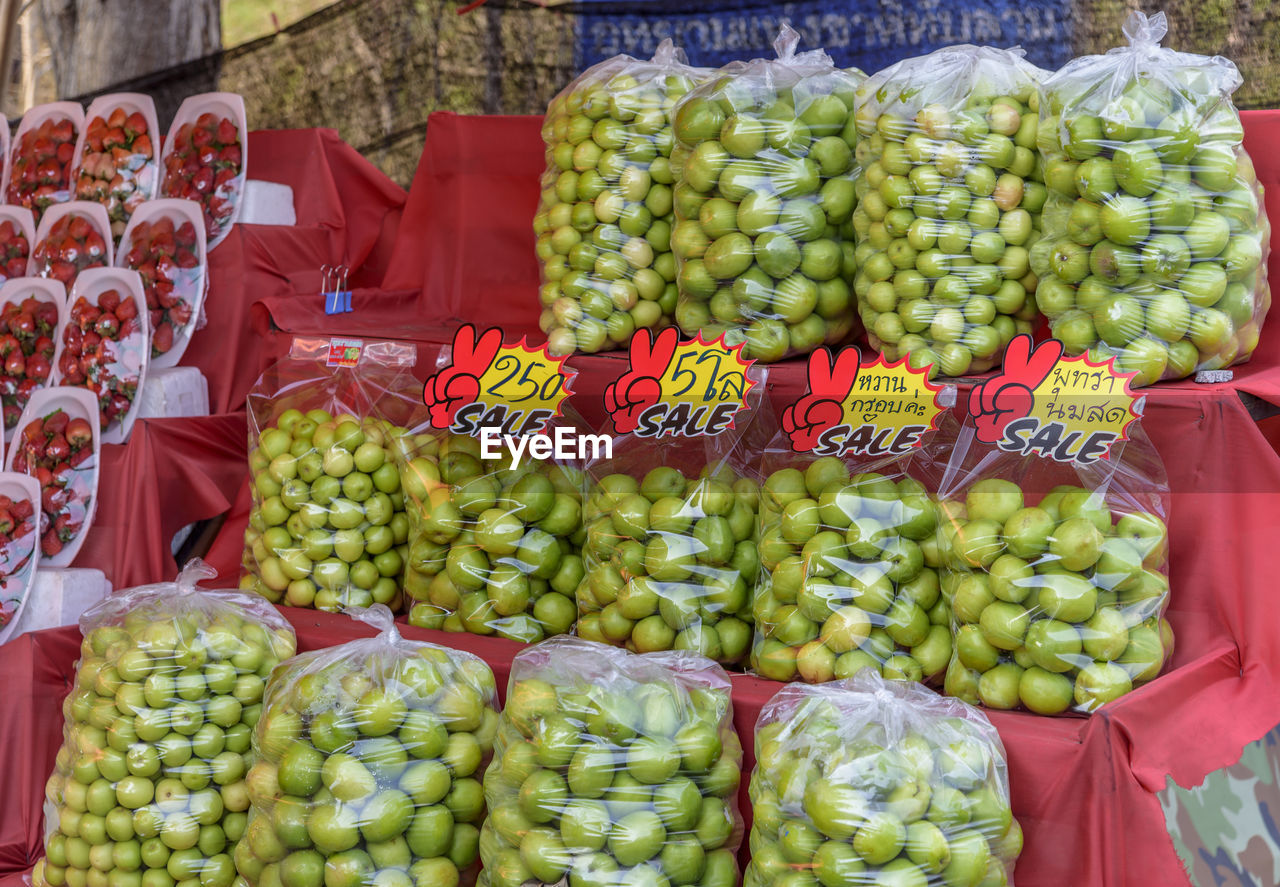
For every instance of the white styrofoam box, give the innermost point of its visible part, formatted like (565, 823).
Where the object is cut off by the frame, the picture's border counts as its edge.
(267, 203)
(173, 392)
(60, 596)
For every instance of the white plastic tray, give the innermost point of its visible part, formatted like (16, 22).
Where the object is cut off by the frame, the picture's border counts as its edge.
(19, 487)
(33, 118)
(24, 220)
(18, 288)
(77, 403)
(91, 284)
(223, 104)
(96, 213)
(130, 102)
(179, 211)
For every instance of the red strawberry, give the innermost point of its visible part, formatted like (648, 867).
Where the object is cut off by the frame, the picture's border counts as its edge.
(50, 544)
(79, 434)
(162, 340)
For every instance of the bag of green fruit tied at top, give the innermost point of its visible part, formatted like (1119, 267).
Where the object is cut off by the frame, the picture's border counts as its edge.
(949, 206)
(613, 769)
(370, 757)
(605, 218)
(873, 781)
(763, 203)
(150, 785)
(850, 568)
(1155, 234)
(1057, 574)
(327, 529)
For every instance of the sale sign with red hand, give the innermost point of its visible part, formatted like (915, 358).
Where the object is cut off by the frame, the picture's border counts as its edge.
(1069, 409)
(878, 409)
(673, 388)
(514, 389)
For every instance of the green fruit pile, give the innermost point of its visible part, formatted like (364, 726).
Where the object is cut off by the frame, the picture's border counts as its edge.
(949, 207)
(868, 781)
(612, 768)
(763, 204)
(327, 529)
(369, 763)
(671, 563)
(150, 788)
(850, 577)
(1155, 233)
(605, 218)
(1057, 605)
(492, 550)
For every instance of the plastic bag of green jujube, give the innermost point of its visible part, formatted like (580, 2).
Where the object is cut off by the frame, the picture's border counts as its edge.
(493, 548)
(327, 529)
(670, 557)
(1155, 234)
(370, 757)
(948, 206)
(151, 784)
(850, 569)
(613, 769)
(604, 221)
(872, 781)
(763, 203)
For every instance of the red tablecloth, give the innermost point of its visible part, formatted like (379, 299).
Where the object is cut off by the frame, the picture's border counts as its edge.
(171, 473)
(347, 212)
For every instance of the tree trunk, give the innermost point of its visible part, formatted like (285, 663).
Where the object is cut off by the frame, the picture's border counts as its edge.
(98, 43)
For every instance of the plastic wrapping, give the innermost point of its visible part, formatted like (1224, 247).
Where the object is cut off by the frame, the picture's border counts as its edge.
(764, 201)
(17, 237)
(58, 445)
(32, 313)
(38, 174)
(72, 237)
(670, 554)
(205, 158)
(327, 528)
(949, 206)
(117, 160)
(604, 222)
(613, 769)
(1057, 576)
(369, 763)
(1156, 237)
(165, 244)
(150, 784)
(850, 574)
(104, 346)
(869, 781)
(492, 549)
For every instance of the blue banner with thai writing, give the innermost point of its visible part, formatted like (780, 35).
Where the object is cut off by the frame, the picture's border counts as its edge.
(871, 34)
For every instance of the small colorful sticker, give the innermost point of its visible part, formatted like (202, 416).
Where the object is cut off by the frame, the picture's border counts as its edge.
(1068, 409)
(515, 389)
(345, 352)
(880, 409)
(679, 389)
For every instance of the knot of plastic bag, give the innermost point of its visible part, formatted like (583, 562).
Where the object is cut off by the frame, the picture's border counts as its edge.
(1145, 32)
(378, 616)
(668, 54)
(192, 573)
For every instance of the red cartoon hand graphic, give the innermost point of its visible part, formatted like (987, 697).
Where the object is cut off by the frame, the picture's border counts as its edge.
(458, 384)
(638, 388)
(822, 408)
(1006, 396)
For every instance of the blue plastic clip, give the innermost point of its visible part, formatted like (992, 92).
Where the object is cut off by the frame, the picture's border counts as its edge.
(337, 298)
